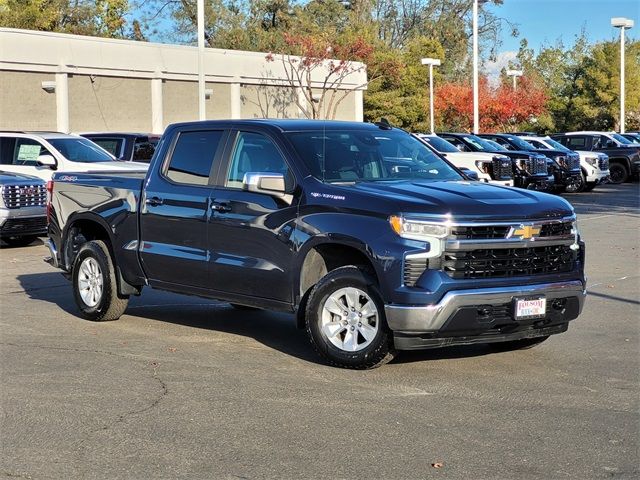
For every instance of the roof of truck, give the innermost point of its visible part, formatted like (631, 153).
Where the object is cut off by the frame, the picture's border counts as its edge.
(291, 124)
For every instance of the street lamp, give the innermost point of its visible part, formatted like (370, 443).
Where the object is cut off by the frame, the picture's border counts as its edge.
(621, 23)
(432, 62)
(515, 74)
(202, 113)
(476, 115)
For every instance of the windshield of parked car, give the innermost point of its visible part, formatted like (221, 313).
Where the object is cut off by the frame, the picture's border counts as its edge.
(480, 144)
(553, 145)
(621, 139)
(519, 143)
(369, 156)
(440, 144)
(80, 150)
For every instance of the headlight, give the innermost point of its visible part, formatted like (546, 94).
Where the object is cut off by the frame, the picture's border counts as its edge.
(417, 229)
(592, 161)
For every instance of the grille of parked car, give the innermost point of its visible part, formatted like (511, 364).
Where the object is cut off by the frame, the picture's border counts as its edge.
(556, 229)
(478, 232)
(24, 225)
(535, 165)
(603, 163)
(502, 169)
(509, 262)
(18, 196)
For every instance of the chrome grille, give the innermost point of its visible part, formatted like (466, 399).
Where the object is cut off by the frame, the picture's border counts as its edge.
(17, 196)
(535, 166)
(603, 163)
(573, 162)
(509, 262)
(502, 169)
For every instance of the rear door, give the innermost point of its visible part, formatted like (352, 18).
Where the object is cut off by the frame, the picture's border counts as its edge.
(175, 211)
(249, 233)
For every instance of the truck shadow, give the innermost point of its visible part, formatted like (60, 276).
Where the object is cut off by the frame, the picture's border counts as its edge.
(272, 329)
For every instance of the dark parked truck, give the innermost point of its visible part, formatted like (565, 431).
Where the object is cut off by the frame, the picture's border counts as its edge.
(530, 169)
(565, 166)
(374, 241)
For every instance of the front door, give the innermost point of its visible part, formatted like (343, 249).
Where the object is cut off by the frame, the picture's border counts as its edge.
(249, 233)
(20, 155)
(175, 210)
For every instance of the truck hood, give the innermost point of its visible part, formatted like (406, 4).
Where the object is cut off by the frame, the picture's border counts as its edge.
(480, 156)
(17, 178)
(461, 200)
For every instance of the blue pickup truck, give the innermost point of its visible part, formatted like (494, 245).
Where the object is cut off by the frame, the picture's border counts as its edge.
(374, 241)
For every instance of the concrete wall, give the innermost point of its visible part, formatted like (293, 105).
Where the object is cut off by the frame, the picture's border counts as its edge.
(23, 103)
(100, 103)
(263, 101)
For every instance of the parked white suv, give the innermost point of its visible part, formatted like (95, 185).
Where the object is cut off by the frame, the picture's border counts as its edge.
(594, 165)
(490, 167)
(40, 153)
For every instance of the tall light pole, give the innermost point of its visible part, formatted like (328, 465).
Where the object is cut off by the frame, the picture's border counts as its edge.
(431, 62)
(621, 23)
(515, 74)
(476, 115)
(202, 113)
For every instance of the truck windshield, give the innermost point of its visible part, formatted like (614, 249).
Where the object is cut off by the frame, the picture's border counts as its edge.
(369, 156)
(480, 144)
(80, 150)
(621, 139)
(519, 143)
(552, 144)
(440, 144)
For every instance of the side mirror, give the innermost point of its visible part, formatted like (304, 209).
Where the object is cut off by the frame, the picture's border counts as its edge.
(47, 160)
(268, 183)
(470, 174)
(611, 144)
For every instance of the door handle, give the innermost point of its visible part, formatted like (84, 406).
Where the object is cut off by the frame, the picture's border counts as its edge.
(220, 206)
(153, 201)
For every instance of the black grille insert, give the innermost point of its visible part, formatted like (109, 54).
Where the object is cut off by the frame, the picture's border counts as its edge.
(509, 262)
(413, 269)
(556, 229)
(24, 225)
(479, 232)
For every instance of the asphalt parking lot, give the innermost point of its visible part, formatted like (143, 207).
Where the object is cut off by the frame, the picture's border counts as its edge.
(182, 387)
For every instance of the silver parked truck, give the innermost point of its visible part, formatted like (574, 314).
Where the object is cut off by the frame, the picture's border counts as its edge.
(23, 201)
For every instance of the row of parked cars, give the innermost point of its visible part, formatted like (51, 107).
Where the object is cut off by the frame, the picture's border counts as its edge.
(571, 162)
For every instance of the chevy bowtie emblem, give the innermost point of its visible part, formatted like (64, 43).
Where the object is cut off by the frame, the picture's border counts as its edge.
(525, 232)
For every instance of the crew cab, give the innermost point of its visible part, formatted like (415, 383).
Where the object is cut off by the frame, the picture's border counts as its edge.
(129, 147)
(530, 170)
(22, 208)
(489, 167)
(41, 153)
(624, 156)
(376, 243)
(594, 165)
(565, 166)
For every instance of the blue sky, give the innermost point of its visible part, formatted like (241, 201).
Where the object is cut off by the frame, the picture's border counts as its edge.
(541, 21)
(547, 21)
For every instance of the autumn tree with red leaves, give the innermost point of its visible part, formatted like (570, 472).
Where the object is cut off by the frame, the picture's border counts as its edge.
(316, 56)
(501, 109)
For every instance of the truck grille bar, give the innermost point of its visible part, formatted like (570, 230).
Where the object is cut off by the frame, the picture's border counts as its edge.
(18, 196)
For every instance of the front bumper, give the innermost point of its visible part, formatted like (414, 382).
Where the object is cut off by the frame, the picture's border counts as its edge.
(23, 222)
(534, 182)
(476, 312)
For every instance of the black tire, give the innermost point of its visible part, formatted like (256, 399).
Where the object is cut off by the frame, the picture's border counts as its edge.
(588, 186)
(524, 344)
(237, 306)
(577, 186)
(380, 348)
(110, 305)
(618, 173)
(20, 241)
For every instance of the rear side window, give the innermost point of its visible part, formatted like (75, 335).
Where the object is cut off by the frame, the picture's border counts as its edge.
(143, 149)
(111, 145)
(193, 156)
(576, 143)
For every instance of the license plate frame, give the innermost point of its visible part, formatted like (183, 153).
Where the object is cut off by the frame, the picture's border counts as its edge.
(530, 307)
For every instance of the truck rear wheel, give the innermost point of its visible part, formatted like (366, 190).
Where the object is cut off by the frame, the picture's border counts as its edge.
(94, 284)
(345, 320)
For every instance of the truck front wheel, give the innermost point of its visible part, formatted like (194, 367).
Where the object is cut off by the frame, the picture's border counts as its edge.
(618, 173)
(94, 284)
(345, 320)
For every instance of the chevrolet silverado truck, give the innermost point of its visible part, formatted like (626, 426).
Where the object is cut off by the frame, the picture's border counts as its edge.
(530, 170)
(565, 166)
(376, 243)
(624, 156)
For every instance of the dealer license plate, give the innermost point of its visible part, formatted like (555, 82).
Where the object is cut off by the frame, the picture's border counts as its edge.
(530, 307)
